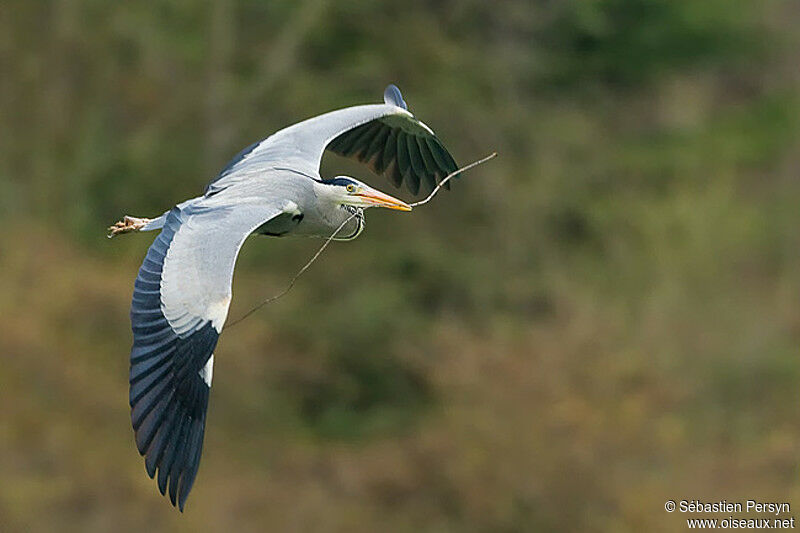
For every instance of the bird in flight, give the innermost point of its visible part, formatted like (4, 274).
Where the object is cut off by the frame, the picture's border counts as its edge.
(273, 187)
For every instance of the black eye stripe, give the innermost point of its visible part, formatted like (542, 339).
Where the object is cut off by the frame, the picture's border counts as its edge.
(343, 182)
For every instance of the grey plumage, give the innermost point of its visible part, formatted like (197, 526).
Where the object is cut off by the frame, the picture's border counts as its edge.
(183, 290)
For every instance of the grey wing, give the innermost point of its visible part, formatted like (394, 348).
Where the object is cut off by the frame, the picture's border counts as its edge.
(400, 148)
(387, 137)
(180, 302)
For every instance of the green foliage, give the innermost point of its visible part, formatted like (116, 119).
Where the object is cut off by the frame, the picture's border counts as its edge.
(602, 318)
(621, 43)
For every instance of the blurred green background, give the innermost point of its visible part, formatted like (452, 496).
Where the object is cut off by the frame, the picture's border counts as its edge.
(604, 317)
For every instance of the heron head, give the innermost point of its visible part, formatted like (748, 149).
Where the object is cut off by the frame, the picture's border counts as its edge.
(352, 192)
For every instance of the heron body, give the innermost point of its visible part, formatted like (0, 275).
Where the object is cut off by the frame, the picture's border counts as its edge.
(183, 290)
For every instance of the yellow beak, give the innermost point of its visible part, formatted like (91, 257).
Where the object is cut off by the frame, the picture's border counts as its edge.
(378, 199)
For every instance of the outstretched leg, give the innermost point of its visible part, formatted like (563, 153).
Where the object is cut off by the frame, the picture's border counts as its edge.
(128, 225)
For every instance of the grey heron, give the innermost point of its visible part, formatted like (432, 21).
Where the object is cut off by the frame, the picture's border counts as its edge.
(183, 290)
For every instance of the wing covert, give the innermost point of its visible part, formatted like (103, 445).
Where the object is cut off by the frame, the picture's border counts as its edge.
(180, 301)
(386, 137)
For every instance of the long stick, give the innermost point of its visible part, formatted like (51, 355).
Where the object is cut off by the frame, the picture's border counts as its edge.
(453, 175)
(342, 225)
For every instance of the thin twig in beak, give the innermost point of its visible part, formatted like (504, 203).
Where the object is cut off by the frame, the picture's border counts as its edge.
(453, 175)
(341, 226)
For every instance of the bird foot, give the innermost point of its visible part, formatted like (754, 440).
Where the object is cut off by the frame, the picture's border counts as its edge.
(127, 225)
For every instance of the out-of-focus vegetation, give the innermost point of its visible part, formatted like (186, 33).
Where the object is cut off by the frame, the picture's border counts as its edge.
(605, 317)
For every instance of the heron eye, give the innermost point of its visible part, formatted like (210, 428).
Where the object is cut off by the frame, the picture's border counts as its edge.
(351, 188)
